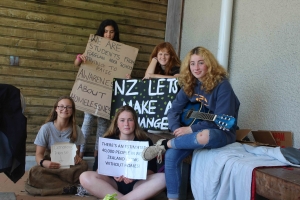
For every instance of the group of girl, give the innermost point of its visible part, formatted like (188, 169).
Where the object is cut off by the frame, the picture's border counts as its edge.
(202, 80)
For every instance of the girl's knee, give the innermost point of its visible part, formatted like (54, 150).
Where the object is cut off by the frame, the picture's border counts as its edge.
(203, 137)
(82, 178)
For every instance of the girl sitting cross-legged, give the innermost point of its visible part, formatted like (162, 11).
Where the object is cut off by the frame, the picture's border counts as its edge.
(124, 126)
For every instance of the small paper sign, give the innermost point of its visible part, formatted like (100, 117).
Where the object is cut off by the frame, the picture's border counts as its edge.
(63, 153)
(122, 158)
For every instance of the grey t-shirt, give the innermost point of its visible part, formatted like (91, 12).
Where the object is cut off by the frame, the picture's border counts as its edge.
(49, 135)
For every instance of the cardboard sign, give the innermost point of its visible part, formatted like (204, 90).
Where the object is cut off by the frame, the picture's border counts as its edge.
(266, 137)
(151, 99)
(106, 60)
(283, 138)
(122, 158)
(63, 153)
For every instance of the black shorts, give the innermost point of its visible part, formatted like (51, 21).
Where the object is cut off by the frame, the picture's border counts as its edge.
(125, 188)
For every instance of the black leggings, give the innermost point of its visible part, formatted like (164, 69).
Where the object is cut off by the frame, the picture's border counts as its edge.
(125, 188)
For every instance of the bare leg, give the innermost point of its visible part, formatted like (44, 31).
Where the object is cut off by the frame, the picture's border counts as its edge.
(144, 189)
(98, 185)
(203, 137)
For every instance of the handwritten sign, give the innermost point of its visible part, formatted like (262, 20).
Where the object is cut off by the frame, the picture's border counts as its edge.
(63, 153)
(122, 157)
(106, 60)
(151, 99)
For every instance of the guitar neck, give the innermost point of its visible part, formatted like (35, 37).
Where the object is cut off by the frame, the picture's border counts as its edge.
(201, 115)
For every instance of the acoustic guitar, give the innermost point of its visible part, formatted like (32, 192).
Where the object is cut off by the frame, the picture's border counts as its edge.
(195, 112)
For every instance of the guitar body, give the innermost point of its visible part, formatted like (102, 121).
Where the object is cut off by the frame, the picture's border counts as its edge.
(197, 107)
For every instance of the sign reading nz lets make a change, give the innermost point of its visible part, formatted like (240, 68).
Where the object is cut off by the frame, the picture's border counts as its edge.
(151, 99)
(106, 60)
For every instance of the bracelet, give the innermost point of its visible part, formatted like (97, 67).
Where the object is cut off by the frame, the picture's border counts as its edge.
(78, 57)
(155, 58)
(41, 163)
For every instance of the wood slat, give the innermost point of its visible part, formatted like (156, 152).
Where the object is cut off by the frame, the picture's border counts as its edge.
(43, 92)
(153, 6)
(83, 30)
(40, 73)
(70, 39)
(19, 81)
(62, 15)
(36, 63)
(50, 55)
(140, 10)
(59, 47)
(40, 45)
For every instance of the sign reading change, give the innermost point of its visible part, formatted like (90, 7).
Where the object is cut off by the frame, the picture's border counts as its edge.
(105, 60)
(122, 158)
(151, 99)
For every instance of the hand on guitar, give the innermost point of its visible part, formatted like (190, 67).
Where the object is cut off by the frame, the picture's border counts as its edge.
(182, 131)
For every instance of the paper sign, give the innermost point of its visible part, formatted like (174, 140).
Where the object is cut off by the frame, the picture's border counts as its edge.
(151, 99)
(122, 157)
(63, 153)
(106, 60)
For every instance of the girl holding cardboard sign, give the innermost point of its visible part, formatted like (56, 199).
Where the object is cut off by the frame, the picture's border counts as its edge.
(125, 126)
(109, 30)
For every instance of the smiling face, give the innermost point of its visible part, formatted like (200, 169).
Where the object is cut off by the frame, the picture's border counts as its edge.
(64, 109)
(126, 125)
(163, 57)
(198, 67)
(109, 32)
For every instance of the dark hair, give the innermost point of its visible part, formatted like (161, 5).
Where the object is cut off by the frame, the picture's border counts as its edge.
(105, 23)
(72, 120)
(113, 129)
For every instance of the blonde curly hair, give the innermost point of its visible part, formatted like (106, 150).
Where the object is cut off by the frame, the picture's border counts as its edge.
(215, 72)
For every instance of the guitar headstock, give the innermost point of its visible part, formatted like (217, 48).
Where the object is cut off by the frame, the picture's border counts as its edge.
(225, 122)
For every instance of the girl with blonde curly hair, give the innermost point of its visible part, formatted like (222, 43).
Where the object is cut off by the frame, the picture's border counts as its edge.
(203, 82)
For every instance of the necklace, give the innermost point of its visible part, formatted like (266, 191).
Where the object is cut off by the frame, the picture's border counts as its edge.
(60, 131)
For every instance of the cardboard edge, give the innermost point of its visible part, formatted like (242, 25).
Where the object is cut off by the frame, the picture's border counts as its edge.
(241, 134)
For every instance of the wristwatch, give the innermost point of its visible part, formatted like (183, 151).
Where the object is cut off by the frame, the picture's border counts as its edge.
(41, 163)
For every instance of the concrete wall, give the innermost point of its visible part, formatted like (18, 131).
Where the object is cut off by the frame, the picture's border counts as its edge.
(264, 62)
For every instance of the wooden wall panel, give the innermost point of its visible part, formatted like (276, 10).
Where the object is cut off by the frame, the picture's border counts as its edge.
(46, 36)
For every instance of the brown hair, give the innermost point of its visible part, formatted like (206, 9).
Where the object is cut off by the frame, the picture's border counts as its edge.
(113, 129)
(215, 72)
(174, 60)
(72, 120)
